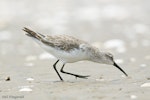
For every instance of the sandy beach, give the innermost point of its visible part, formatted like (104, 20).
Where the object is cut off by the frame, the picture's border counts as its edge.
(118, 26)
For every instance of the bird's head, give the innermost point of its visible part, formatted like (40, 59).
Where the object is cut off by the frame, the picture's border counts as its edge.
(106, 58)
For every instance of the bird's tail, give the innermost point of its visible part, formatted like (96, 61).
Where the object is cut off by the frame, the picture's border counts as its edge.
(33, 34)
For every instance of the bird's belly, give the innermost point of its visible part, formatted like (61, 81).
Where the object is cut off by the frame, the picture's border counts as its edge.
(72, 56)
(66, 56)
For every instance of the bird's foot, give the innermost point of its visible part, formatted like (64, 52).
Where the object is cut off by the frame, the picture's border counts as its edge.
(80, 76)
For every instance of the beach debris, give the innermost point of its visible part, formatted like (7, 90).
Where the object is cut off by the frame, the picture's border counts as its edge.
(133, 96)
(25, 88)
(30, 79)
(146, 85)
(7, 78)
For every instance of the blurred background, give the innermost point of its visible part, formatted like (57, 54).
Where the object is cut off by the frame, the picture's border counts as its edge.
(97, 21)
(119, 26)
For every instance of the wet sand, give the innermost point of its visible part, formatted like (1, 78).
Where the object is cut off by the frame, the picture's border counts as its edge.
(119, 27)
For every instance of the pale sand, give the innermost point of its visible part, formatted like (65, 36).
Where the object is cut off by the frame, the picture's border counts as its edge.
(30, 71)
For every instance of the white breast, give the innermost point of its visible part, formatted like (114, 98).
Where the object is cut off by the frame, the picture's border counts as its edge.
(65, 56)
(71, 56)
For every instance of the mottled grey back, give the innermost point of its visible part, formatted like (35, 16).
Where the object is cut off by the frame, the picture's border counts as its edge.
(63, 42)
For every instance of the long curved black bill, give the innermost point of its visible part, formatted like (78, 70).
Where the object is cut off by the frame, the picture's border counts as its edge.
(120, 69)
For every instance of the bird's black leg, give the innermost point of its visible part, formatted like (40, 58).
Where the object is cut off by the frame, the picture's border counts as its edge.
(56, 70)
(79, 76)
